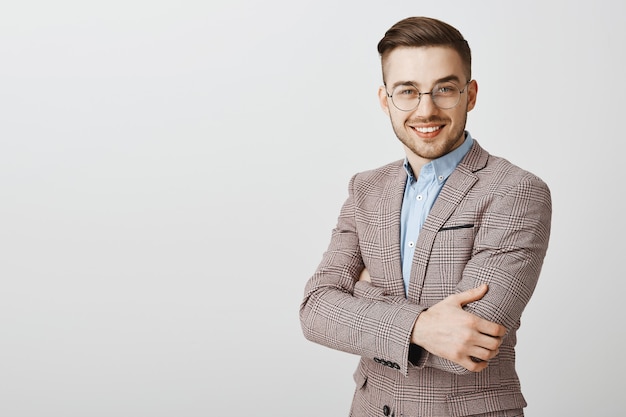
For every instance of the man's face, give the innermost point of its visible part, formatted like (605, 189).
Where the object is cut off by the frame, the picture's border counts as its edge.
(427, 131)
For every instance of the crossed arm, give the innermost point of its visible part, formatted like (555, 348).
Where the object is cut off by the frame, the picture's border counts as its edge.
(448, 331)
(457, 334)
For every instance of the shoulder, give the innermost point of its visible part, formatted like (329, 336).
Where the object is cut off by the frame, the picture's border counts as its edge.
(503, 171)
(498, 177)
(382, 173)
(373, 180)
(495, 169)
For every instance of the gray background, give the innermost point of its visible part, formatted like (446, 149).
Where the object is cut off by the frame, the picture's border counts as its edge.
(170, 173)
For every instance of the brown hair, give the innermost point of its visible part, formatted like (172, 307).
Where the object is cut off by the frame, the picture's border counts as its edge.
(426, 31)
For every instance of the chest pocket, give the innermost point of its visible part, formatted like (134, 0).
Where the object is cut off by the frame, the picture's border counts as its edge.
(451, 250)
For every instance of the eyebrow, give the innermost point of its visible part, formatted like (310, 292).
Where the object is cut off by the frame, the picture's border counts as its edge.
(439, 81)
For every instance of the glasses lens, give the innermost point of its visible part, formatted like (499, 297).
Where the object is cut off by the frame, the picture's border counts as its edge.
(446, 96)
(405, 97)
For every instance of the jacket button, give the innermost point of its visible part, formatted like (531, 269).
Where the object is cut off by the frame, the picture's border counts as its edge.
(386, 410)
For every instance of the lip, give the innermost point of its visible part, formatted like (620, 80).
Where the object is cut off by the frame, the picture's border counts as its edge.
(428, 135)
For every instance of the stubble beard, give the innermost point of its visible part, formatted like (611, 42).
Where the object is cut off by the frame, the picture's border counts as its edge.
(439, 147)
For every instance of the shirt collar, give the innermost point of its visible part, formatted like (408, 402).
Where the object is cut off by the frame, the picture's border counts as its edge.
(444, 165)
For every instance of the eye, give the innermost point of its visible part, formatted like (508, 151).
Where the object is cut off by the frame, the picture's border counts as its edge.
(445, 89)
(406, 91)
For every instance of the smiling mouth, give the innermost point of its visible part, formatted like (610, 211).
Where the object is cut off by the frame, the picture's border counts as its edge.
(429, 129)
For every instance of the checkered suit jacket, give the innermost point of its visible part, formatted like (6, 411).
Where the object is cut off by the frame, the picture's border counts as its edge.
(490, 224)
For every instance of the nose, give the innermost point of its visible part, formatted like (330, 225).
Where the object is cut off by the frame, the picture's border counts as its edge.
(425, 106)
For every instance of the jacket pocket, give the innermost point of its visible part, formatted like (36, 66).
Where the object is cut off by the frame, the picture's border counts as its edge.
(486, 401)
(462, 226)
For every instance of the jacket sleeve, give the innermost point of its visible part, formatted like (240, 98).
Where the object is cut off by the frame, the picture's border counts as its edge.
(508, 254)
(331, 315)
(509, 251)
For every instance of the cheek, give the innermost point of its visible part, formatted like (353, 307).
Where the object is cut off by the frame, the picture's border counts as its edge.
(460, 114)
(397, 120)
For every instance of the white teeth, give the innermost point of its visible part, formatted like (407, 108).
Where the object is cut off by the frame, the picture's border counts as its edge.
(427, 129)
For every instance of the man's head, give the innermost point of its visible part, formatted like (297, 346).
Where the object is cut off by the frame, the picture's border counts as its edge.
(427, 89)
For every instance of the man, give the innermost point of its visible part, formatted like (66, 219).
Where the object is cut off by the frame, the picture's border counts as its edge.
(434, 257)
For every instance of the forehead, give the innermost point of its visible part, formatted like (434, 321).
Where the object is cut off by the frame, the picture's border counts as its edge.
(422, 65)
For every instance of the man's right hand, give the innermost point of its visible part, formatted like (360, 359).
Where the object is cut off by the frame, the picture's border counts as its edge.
(448, 331)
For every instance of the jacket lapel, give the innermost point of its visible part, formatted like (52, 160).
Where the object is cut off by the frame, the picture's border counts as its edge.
(389, 213)
(453, 192)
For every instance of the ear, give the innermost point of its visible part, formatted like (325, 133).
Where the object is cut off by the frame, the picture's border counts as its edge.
(383, 99)
(472, 92)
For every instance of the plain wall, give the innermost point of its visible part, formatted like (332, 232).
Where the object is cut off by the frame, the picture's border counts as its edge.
(170, 172)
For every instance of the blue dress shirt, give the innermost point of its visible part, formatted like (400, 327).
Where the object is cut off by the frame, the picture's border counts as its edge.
(420, 195)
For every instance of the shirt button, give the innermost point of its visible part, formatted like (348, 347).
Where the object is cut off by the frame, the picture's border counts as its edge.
(419, 197)
(411, 244)
(441, 178)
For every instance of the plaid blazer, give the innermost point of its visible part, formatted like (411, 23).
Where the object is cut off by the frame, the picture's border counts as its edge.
(490, 224)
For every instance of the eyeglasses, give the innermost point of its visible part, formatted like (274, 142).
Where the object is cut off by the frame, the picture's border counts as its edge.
(407, 97)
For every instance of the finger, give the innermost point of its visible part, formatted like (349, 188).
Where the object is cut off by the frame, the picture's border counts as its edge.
(479, 354)
(474, 364)
(491, 329)
(471, 295)
(489, 343)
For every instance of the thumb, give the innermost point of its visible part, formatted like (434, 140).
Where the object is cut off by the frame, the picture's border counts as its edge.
(471, 295)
